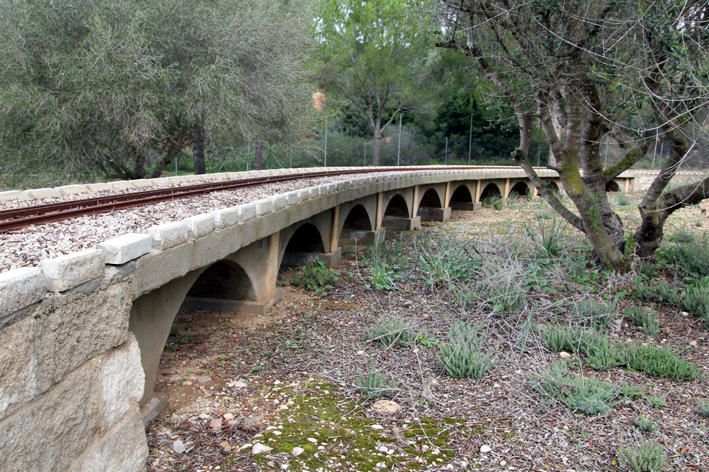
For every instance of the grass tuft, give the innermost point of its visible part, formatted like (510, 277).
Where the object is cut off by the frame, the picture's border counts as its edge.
(644, 424)
(461, 357)
(645, 457)
(374, 384)
(645, 318)
(392, 332)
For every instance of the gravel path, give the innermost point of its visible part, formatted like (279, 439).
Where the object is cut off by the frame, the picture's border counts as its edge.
(27, 247)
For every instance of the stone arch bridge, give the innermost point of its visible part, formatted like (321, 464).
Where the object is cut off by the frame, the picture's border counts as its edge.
(81, 336)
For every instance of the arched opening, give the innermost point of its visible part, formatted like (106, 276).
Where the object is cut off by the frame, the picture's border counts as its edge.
(223, 280)
(519, 190)
(612, 186)
(430, 199)
(357, 225)
(182, 315)
(490, 192)
(397, 207)
(462, 199)
(303, 247)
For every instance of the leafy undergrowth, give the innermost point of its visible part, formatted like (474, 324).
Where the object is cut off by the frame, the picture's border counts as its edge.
(328, 431)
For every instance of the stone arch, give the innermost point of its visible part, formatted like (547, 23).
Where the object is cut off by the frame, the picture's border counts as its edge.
(520, 189)
(431, 199)
(153, 314)
(461, 198)
(491, 190)
(224, 280)
(357, 219)
(397, 207)
(612, 186)
(302, 247)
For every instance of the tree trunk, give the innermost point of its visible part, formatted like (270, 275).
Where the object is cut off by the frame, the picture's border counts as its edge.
(377, 157)
(198, 152)
(258, 159)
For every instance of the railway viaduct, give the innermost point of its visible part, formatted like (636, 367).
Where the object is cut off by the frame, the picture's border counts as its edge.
(81, 336)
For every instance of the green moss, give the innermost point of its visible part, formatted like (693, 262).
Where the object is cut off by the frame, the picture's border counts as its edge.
(349, 439)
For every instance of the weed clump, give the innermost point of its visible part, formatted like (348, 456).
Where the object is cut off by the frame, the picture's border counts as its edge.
(703, 407)
(374, 384)
(596, 313)
(656, 401)
(644, 424)
(461, 357)
(392, 332)
(645, 457)
(646, 319)
(656, 362)
(587, 395)
(316, 276)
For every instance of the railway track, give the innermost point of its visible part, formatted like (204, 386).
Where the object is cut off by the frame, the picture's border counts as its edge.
(17, 218)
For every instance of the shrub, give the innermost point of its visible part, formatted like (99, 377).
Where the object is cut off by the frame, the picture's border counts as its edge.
(632, 392)
(600, 354)
(445, 260)
(502, 284)
(656, 362)
(644, 424)
(703, 407)
(382, 275)
(587, 395)
(316, 276)
(595, 312)
(374, 384)
(695, 299)
(688, 255)
(646, 319)
(460, 357)
(391, 332)
(623, 200)
(646, 457)
(550, 237)
(656, 401)
(494, 202)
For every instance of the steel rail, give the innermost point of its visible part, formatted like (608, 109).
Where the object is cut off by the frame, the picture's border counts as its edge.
(18, 218)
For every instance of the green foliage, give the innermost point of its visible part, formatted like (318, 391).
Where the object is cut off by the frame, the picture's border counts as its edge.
(693, 297)
(445, 261)
(382, 275)
(374, 384)
(646, 318)
(687, 254)
(656, 362)
(656, 401)
(120, 88)
(587, 395)
(600, 354)
(644, 424)
(631, 391)
(596, 312)
(551, 234)
(645, 457)
(502, 284)
(461, 357)
(392, 332)
(316, 276)
(496, 202)
(623, 200)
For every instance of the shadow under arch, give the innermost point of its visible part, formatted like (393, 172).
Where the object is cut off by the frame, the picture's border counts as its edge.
(490, 191)
(303, 247)
(462, 199)
(520, 189)
(430, 199)
(397, 207)
(153, 314)
(612, 187)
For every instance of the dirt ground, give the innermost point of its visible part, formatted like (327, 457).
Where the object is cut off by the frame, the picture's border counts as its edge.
(286, 383)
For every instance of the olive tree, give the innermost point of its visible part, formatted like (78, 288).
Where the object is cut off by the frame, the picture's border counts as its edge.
(585, 70)
(120, 88)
